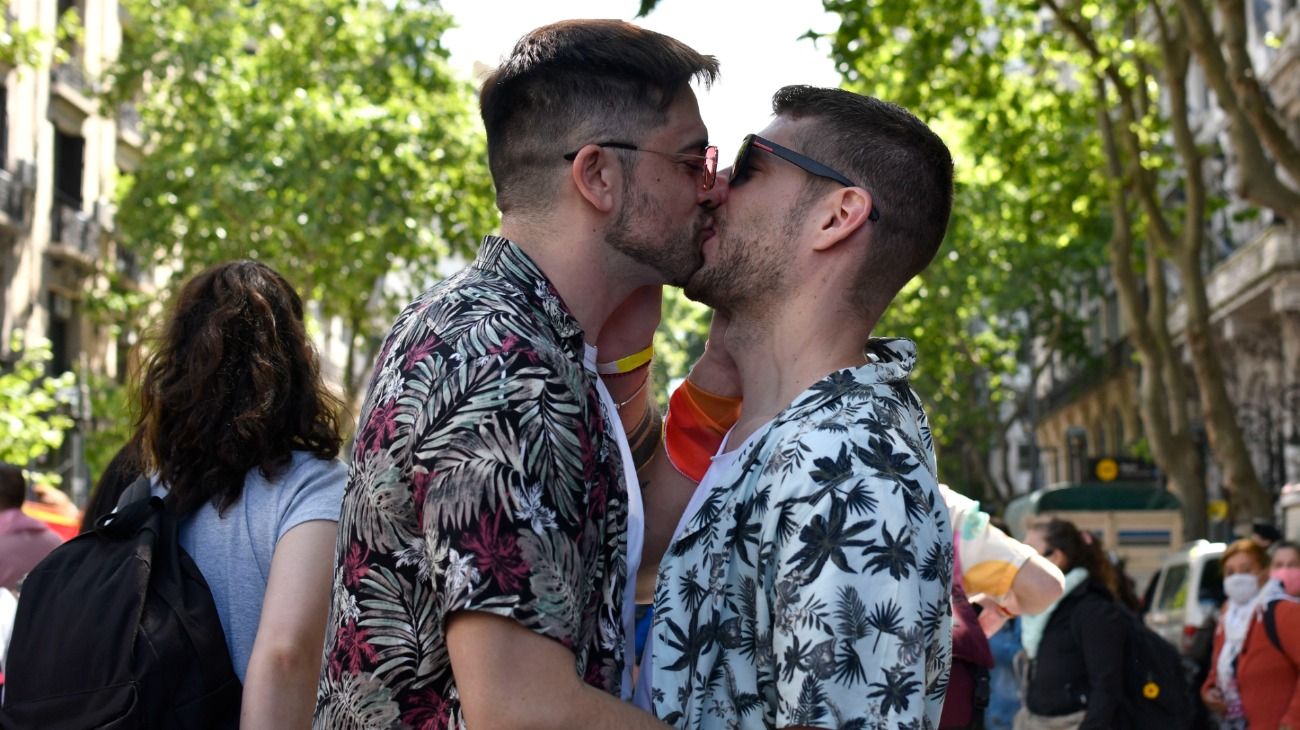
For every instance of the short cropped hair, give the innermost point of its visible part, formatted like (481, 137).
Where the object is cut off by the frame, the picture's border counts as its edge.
(1249, 547)
(903, 164)
(573, 83)
(13, 486)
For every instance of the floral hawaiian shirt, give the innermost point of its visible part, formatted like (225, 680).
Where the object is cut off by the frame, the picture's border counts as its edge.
(485, 477)
(812, 585)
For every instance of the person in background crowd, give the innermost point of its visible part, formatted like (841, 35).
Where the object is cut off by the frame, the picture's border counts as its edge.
(1004, 688)
(1074, 680)
(1285, 567)
(240, 435)
(1264, 534)
(1004, 577)
(24, 541)
(1253, 682)
(1035, 585)
(121, 471)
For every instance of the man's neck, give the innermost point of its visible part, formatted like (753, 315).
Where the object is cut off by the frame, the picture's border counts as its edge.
(579, 268)
(785, 353)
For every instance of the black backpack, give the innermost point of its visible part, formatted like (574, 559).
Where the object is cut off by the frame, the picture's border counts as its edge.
(117, 629)
(1156, 693)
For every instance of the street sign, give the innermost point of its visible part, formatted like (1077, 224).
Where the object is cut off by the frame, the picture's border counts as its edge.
(1122, 469)
(1217, 509)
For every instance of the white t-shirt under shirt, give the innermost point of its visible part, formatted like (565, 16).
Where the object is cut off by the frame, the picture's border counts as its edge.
(718, 464)
(635, 522)
(233, 552)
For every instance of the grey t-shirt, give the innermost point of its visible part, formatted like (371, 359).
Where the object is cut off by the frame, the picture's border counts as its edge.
(234, 552)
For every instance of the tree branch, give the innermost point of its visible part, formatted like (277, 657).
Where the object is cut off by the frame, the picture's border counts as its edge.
(1173, 48)
(1254, 101)
(1258, 179)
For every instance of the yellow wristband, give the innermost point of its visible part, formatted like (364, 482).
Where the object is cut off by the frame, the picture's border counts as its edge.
(626, 364)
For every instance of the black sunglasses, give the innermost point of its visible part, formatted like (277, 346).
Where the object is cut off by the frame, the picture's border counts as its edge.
(741, 166)
(708, 160)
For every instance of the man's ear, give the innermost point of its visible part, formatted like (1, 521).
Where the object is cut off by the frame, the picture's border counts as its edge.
(595, 177)
(841, 216)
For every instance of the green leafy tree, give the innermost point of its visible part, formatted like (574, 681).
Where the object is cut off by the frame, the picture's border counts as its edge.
(32, 421)
(20, 46)
(327, 138)
(1021, 243)
(110, 426)
(1065, 97)
(1024, 239)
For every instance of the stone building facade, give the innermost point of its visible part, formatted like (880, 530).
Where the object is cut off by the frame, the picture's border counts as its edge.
(60, 155)
(1254, 290)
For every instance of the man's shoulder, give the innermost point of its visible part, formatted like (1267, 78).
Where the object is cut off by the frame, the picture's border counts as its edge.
(474, 316)
(858, 441)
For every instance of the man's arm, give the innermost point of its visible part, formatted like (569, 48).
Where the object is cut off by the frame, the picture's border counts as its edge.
(665, 491)
(1002, 574)
(1037, 585)
(515, 679)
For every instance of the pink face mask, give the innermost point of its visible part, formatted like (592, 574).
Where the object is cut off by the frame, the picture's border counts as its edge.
(1290, 579)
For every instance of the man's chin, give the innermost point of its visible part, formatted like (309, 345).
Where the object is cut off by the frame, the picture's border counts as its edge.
(700, 289)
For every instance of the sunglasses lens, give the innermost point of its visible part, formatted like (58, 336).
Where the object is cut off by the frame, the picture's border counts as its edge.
(742, 159)
(710, 168)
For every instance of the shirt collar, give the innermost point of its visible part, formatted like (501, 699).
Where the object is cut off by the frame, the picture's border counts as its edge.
(889, 361)
(504, 258)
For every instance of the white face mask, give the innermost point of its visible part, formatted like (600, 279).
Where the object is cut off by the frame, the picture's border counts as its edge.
(1241, 587)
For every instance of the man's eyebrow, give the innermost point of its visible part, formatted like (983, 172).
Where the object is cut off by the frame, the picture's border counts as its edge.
(694, 147)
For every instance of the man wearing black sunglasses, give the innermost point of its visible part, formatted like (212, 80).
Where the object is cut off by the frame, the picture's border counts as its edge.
(808, 583)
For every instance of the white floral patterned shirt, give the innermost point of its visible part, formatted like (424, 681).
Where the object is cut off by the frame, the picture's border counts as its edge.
(812, 585)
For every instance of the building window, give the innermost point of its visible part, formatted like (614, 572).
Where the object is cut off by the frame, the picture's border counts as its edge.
(4, 127)
(60, 333)
(69, 162)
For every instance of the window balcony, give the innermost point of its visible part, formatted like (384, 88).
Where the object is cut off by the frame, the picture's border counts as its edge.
(75, 235)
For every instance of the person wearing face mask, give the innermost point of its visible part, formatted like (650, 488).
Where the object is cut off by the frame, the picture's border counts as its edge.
(1285, 568)
(1254, 682)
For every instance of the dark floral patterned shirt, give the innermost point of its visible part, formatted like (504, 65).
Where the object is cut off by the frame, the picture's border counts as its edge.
(812, 585)
(485, 477)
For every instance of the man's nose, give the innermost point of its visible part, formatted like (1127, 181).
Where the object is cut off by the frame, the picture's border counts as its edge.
(718, 194)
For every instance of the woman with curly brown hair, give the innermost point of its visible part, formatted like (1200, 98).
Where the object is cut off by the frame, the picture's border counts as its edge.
(239, 432)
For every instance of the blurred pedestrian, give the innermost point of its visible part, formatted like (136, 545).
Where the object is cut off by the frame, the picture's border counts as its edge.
(1004, 687)
(1073, 679)
(1254, 681)
(1003, 577)
(1285, 567)
(24, 540)
(1265, 534)
(240, 433)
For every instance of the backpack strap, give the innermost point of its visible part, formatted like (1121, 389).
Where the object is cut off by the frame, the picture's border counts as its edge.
(139, 490)
(1270, 626)
(133, 508)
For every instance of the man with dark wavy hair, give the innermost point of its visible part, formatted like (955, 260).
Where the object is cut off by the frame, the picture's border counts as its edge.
(492, 527)
(808, 584)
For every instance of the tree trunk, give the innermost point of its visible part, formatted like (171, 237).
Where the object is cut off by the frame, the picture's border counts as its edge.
(1249, 499)
(1158, 393)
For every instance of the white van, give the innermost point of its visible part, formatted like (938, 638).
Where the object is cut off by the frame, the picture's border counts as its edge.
(1188, 592)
